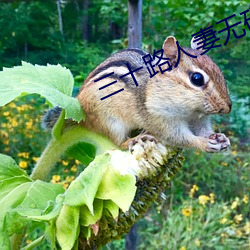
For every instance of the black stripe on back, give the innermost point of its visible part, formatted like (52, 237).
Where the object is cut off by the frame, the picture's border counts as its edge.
(116, 75)
(139, 51)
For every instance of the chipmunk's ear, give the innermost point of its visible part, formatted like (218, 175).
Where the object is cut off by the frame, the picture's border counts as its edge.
(170, 49)
(197, 42)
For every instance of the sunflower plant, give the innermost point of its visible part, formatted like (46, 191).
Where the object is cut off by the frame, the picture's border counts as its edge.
(103, 201)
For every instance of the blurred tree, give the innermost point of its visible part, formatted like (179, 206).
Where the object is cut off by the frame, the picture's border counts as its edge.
(135, 23)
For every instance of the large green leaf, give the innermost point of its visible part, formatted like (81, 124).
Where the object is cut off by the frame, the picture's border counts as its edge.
(21, 197)
(112, 208)
(83, 152)
(67, 226)
(39, 194)
(83, 189)
(118, 188)
(53, 82)
(86, 218)
(9, 168)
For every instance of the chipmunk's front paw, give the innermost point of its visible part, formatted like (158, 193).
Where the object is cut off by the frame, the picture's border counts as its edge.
(218, 142)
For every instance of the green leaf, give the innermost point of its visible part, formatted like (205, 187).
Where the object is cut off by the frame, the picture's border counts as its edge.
(67, 226)
(34, 243)
(58, 127)
(83, 189)
(4, 240)
(14, 198)
(112, 208)
(86, 218)
(83, 152)
(53, 82)
(46, 216)
(50, 234)
(14, 223)
(6, 186)
(118, 188)
(9, 168)
(86, 231)
(19, 197)
(39, 194)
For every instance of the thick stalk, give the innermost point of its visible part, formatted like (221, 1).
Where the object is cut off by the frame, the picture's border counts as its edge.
(57, 147)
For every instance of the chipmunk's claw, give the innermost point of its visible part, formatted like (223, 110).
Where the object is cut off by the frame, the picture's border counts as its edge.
(218, 142)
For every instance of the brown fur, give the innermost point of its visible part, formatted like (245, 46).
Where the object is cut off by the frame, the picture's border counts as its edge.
(168, 106)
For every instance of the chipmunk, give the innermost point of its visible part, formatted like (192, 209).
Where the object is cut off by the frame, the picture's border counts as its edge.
(174, 107)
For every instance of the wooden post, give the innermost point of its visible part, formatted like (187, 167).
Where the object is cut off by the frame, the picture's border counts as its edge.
(134, 23)
(131, 238)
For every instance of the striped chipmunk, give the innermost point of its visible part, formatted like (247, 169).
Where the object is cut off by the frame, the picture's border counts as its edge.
(173, 107)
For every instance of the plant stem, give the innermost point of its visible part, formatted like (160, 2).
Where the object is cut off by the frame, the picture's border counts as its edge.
(57, 147)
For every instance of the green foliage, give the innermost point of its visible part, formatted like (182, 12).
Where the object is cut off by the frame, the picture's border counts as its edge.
(19, 198)
(30, 32)
(198, 224)
(104, 191)
(52, 82)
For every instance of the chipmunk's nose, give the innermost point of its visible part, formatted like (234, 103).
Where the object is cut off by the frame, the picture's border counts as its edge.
(227, 108)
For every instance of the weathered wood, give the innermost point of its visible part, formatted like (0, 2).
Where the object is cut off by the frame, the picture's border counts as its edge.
(134, 23)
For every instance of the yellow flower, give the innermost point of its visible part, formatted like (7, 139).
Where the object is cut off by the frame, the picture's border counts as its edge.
(238, 218)
(35, 159)
(4, 134)
(73, 168)
(238, 233)
(23, 164)
(225, 164)
(55, 178)
(211, 195)
(6, 149)
(14, 123)
(182, 248)
(77, 162)
(65, 163)
(247, 227)
(70, 178)
(203, 199)
(223, 235)
(23, 107)
(24, 154)
(238, 159)
(6, 113)
(187, 211)
(6, 141)
(197, 242)
(29, 124)
(234, 152)
(12, 105)
(223, 220)
(235, 203)
(65, 185)
(193, 190)
(245, 199)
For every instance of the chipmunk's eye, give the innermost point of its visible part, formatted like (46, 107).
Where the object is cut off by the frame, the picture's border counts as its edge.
(197, 79)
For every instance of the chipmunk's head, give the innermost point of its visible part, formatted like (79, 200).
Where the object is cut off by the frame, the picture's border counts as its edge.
(198, 78)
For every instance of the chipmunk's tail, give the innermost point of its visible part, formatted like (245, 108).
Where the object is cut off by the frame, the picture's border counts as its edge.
(50, 117)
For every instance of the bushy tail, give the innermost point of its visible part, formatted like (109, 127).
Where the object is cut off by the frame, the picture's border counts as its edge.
(50, 118)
